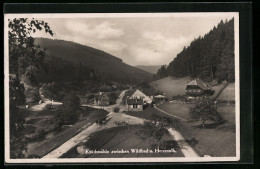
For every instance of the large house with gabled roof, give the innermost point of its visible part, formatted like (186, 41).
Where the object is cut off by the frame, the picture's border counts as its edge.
(198, 88)
(136, 100)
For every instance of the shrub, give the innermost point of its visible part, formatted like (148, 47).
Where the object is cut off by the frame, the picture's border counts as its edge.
(205, 109)
(116, 109)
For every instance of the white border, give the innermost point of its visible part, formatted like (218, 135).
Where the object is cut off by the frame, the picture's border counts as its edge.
(120, 160)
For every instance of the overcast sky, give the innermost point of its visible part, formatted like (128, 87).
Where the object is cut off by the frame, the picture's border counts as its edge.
(137, 41)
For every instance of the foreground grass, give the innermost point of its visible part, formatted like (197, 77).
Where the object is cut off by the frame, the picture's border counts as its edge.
(123, 138)
(216, 139)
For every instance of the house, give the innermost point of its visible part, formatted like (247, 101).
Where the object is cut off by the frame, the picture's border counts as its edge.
(198, 88)
(137, 94)
(160, 98)
(101, 100)
(135, 104)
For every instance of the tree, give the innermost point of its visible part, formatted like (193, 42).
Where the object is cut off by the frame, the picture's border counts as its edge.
(69, 112)
(205, 109)
(157, 128)
(16, 99)
(22, 50)
(22, 54)
(71, 102)
(209, 57)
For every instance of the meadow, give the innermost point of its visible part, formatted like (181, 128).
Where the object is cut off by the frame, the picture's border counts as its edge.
(171, 86)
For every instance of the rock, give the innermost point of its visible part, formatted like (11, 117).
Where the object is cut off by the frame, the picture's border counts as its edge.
(84, 141)
(207, 156)
(81, 149)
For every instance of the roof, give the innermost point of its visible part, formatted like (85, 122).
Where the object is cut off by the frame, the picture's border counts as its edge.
(198, 83)
(160, 96)
(135, 101)
(149, 91)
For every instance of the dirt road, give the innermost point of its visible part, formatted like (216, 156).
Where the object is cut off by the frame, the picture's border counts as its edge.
(44, 103)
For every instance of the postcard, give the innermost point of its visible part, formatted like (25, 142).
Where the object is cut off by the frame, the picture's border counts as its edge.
(122, 87)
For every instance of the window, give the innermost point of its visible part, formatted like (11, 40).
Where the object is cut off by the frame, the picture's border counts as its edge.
(135, 105)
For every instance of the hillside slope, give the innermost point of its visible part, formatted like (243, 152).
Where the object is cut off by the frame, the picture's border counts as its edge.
(104, 64)
(171, 86)
(150, 69)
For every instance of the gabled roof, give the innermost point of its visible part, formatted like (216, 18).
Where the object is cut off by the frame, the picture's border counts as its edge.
(160, 96)
(199, 83)
(135, 101)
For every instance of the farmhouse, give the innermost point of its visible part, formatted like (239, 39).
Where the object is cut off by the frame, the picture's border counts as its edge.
(101, 100)
(135, 104)
(198, 88)
(137, 94)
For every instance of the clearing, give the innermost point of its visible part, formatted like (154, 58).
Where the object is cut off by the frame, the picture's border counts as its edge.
(171, 86)
(228, 93)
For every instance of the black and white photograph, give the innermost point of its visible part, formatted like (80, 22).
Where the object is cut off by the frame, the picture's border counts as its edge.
(122, 87)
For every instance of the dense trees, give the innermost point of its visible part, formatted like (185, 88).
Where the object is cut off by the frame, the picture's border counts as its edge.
(209, 57)
(60, 70)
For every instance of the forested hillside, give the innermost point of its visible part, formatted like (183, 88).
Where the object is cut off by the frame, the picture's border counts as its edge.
(69, 61)
(210, 57)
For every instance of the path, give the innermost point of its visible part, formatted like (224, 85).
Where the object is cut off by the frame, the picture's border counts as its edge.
(44, 103)
(186, 149)
(170, 114)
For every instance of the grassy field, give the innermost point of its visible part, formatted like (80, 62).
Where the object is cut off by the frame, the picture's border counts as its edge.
(228, 93)
(216, 139)
(217, 88)
(147, 113)
(171, 86)
(125, 138)
(177, 109)
(55, 138)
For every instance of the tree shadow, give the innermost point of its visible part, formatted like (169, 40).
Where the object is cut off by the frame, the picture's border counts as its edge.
(192, 142)
(210, 125)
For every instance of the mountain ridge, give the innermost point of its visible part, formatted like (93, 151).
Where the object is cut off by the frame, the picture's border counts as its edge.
(104, 64)
(151, 69)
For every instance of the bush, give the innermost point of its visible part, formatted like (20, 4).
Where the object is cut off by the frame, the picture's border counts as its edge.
(116, 109)
(205, 109)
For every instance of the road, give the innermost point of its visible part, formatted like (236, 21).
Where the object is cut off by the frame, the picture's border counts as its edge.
(44, 103)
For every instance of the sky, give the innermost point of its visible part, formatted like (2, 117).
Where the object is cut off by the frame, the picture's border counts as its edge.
(138, 40)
